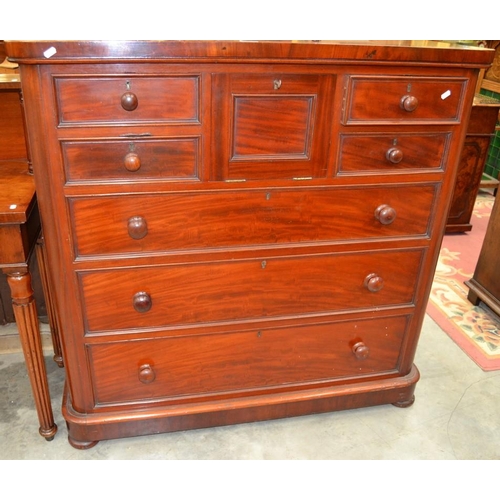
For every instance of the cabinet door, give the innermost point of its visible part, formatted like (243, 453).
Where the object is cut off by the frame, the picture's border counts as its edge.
(12, 138)
(271, 126)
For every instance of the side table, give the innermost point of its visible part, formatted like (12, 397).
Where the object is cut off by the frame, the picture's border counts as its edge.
(19, 233)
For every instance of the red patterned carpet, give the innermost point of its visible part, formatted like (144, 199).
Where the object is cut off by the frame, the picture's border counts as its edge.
(475, 329)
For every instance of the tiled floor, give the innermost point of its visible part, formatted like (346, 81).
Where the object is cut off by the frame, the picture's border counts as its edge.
(455, 417)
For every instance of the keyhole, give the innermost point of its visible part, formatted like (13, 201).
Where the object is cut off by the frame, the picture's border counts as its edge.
(277, 84)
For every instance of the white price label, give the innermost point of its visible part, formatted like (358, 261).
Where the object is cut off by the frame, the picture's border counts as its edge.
(49, 52)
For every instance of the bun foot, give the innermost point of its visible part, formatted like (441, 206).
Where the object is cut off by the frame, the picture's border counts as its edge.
(82, 445)
(405, 404)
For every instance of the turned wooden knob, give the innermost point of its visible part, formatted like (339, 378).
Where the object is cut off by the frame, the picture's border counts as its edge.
(385, 214)
(142, 302)
(360, 350)
(137, 227)
(394, 155)
(409, 103)
(132, 162)
(129, 101)
(146, 374)
(374, 282)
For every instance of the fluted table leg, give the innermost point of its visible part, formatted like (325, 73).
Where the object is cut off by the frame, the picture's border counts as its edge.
(51, 310)
(29, 332)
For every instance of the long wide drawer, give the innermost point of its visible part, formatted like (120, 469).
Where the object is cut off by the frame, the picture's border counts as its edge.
(240, 290)
(240, 361)
(190, 221)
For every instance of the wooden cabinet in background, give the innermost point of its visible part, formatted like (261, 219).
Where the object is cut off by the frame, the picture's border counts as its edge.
(241, 231)
(481, 129)
(12, 139)
(485, 283)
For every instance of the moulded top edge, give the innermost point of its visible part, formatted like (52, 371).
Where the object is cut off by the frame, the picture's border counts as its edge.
(409, 51)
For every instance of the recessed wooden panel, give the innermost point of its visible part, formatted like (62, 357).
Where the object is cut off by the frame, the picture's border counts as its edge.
(247, 289)
(379, 99)
(98, 99)
(372, 152)
(105, 160)
(259, 358)
(271, 126)
(256, 133)
(182, 221)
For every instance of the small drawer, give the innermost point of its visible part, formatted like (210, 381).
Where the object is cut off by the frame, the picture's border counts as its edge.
(392, 152)
(128, 100)
(132, 160)
(404, 100)
(237, 218)
(237, 290)
(132, 372)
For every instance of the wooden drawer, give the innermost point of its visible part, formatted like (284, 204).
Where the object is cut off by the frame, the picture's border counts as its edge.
(239, 290)
(128, 372)
(132, 160)
(235, 218)
(404, 100)
(272, 126)
(127, 100)
(392, 152)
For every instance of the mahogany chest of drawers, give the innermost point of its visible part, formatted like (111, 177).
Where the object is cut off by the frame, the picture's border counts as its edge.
(241, 231)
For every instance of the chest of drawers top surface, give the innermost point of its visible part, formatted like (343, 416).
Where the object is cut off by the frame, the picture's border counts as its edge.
(392, 51)
(241, 230)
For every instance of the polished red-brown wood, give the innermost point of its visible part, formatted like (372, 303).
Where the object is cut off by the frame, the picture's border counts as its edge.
(480, 131)
(243, 230)
(258, 358)
(12, 138)
(157, 223)
(414, 100)
(273, 287)
(134, 159)
(154, 99)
